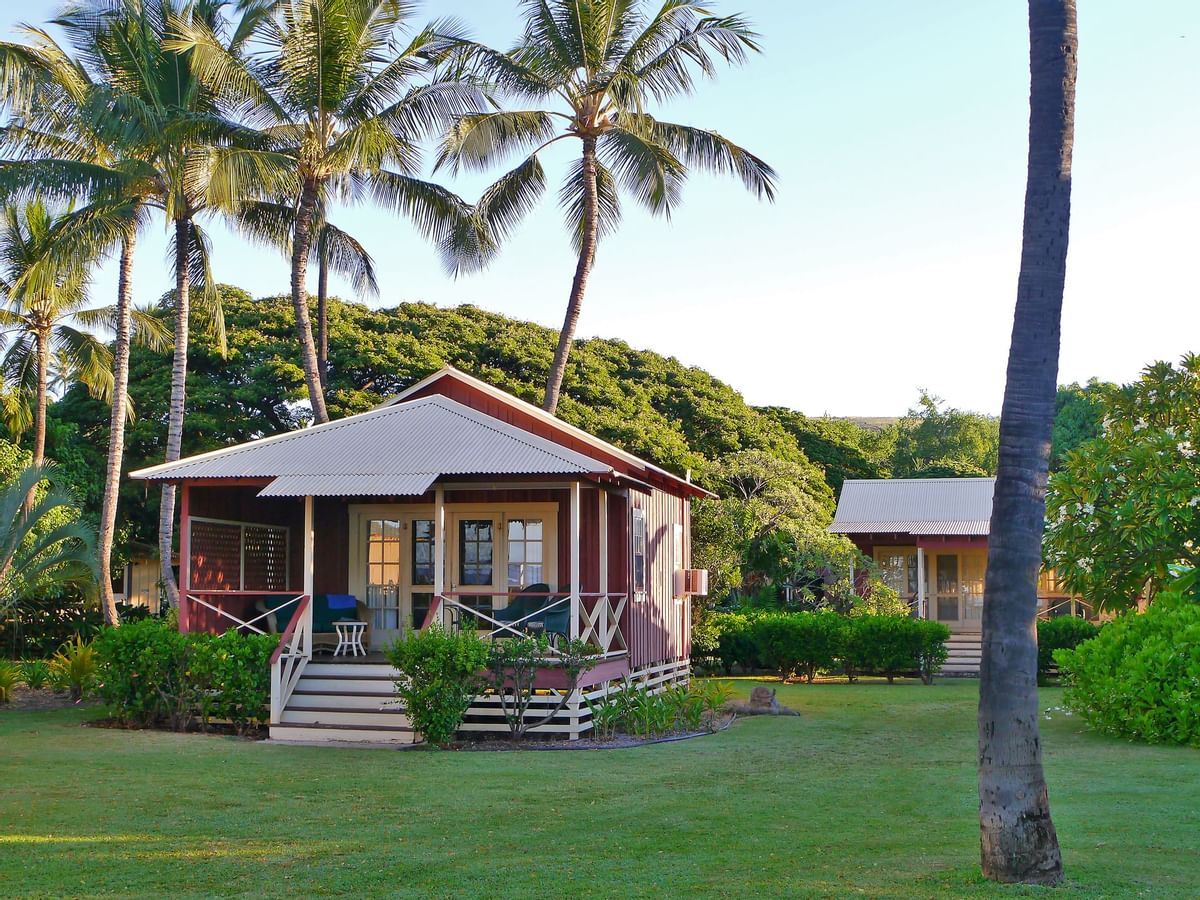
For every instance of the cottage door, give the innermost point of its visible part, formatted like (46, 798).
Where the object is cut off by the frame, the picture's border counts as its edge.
(384, 578)
(947, 596)
(475, 570)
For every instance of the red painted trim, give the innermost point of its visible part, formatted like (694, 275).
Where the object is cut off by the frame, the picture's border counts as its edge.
(185, 558)
(434, 608)
(291, 629)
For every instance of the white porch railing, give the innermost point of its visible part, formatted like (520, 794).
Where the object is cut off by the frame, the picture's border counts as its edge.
(290, 657)
(600, 624)
(1072, 605)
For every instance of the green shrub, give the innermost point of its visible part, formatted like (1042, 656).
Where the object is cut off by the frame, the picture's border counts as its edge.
(35, 673)
(735, 640)
(514, 664)
(152, 675)
(10, 677)
(74, 667)
(803, 642)
(881, 645)
(1139, 677)
(1060, 633)
(706, 645)
(440, 677)
(929, 645)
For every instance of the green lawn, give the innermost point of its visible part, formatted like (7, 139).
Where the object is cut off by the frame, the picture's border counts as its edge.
(871, 792)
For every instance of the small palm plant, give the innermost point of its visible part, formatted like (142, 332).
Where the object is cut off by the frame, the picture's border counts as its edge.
(43, 545)
(10, 677)
(74, 667)
(602, 64)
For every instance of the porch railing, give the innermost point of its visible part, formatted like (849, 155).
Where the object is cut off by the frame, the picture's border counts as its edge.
(599, 616)
(290, 657)
(1073, 606)
(197, 598)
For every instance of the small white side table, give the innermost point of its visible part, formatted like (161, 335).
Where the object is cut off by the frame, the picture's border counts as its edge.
(350, 638)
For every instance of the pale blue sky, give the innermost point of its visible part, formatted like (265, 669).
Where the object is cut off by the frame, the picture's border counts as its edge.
(889, 261)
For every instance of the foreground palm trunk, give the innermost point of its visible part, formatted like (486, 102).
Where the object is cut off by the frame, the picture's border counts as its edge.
(587, 255)
(116, 439)
(166, 512)
(1018, 842)
(302, 246)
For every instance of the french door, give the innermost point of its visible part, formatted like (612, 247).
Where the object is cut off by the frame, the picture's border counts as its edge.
(956, 586)
(397, 573)
(475, 564)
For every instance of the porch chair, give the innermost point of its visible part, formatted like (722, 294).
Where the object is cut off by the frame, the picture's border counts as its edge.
(555, 622)
(326, 609)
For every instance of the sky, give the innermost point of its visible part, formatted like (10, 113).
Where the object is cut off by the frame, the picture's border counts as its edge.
(889, 262)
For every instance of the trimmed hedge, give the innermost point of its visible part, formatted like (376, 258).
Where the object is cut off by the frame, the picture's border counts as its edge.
(1060, 633)
(151, 675)
(1139, 677)
(810, 642)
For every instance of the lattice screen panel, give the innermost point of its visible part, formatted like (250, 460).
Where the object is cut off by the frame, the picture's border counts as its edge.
(266, 558)
(216, 556)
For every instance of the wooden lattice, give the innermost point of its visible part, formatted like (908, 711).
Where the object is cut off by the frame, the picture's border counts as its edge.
(265, 559)
(216, 556)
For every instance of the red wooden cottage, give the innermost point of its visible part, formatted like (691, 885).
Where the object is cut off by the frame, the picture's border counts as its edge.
(454, 503)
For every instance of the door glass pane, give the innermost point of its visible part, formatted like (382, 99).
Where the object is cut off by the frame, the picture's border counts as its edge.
(475, 552)
(525, 553)
(947, 574)
(422, 551)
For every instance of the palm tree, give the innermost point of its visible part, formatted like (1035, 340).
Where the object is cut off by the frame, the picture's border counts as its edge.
(45, 264)
(55, 130)
(332, 250)
(42, 544)
(344, 108)
(1018, 839)
(138, 129)
(605, 63)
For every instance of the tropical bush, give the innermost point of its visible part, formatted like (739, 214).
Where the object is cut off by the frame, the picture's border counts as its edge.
(150, 675)
(35, 673)
(38, 626)
(74, 667)
(10, 677)
(439, 678)
(808, 642)
(1139, 677)
(1060, 633)
(642, 713)
(799, 642)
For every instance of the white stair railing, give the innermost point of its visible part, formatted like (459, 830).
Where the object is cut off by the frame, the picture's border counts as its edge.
(290, 657)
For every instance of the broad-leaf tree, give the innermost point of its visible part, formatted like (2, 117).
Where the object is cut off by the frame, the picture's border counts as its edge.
(1018, 842)
(602, 64)
(1124, 508)
(343, 106)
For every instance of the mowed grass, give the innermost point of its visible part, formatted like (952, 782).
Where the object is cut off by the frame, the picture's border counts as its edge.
(870, 792)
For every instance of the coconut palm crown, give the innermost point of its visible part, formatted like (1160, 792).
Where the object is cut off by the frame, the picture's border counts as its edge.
(343, 104)
(602, 64)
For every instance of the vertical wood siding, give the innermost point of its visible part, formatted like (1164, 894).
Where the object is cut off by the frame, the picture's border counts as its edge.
(658, 622)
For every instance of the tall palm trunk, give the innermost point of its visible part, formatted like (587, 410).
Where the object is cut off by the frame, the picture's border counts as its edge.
(587, 256)
(323, 317)
(116, 431)
(1018, 841)
(42, 349)
(166, 512)
(301, 247)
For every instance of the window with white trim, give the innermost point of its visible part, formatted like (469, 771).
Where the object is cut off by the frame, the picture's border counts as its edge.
(639, 551)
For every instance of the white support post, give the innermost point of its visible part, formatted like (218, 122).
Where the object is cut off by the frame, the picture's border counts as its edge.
(922, 613)
(575, 590)
(439, 548)
(309, 542)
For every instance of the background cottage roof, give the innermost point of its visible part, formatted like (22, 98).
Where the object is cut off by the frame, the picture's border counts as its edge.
(396, 450)
(960, 506)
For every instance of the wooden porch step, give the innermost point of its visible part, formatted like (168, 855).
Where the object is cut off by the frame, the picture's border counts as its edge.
(349, 734)
(349, 718)
(342, 685)
(351, 670)
(368, 700)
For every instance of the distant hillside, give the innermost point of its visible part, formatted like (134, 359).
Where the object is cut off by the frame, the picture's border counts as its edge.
(871, 423)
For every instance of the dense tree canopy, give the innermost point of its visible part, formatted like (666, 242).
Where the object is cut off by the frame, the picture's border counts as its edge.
(1078, 417)
(1125, 506)
(936, 441)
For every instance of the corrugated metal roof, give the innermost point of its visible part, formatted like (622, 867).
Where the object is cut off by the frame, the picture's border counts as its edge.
(385, 451)
(955, 506)
(412, 484)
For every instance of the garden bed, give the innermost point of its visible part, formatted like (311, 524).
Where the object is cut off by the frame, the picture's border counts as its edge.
(40, 700)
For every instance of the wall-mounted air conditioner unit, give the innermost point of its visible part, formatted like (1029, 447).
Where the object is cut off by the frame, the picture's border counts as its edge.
(691, 581)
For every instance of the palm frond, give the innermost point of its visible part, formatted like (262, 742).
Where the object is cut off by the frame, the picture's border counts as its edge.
(645, 167)
(477, 141)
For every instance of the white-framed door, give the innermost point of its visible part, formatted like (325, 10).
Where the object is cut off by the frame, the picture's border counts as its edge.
(955, 588)
(492, 548)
